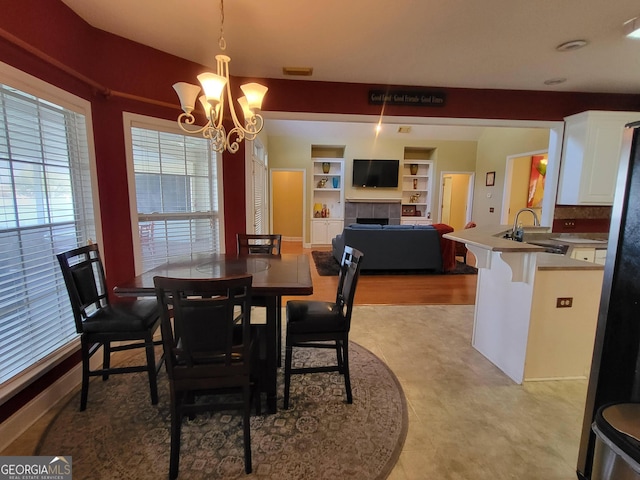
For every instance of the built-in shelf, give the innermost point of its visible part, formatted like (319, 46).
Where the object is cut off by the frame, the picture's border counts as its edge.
(416, 188)
(327, 207)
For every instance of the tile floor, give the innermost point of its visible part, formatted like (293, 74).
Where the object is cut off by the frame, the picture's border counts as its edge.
(467, 420)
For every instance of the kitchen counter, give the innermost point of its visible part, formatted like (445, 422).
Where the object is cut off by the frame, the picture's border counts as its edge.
(482, 240)
(535, 312)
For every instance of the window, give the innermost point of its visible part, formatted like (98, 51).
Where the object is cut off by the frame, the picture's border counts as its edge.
(177, 192)
(45, 207)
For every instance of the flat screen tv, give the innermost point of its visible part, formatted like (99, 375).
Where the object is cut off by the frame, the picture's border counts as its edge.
(375, 173)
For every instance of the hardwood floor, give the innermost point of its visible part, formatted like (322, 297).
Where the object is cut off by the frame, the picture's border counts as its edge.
(395, 289)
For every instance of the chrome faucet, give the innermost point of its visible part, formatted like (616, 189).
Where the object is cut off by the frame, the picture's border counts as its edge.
(514, 230)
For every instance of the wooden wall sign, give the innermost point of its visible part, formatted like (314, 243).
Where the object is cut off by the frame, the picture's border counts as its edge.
(409, 98)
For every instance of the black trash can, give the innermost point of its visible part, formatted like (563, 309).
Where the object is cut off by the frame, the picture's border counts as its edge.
(617, 450)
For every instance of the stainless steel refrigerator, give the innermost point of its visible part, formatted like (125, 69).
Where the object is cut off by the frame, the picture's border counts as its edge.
(615, 368)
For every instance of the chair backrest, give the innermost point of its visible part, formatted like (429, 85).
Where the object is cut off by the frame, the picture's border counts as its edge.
(259, 244)
(201, 327)
(84, 277)
(348, 280)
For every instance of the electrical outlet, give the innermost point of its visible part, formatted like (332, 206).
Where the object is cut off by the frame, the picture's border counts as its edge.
(564, 302)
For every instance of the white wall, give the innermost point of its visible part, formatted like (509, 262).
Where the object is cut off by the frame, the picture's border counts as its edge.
(494, 146)
(488, 154)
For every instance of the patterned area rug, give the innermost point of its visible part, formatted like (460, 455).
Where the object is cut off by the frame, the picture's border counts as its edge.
(122, 436)
(327, 266)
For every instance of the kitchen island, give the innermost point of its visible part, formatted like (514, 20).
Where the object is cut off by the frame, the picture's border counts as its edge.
(535, 312)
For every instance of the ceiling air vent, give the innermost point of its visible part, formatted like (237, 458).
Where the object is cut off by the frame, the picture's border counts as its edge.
(298, 71)
(404, 129)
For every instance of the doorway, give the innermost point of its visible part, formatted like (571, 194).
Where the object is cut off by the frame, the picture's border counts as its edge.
(288, 203)
(456, 197)
(525, 176)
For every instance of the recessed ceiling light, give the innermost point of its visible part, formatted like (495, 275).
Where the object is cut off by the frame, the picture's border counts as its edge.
(632, 28)
(572, 45)
(555, 81)
(298, 71)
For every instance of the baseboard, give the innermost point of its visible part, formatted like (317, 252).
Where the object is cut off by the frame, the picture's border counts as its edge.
(291, 239)
(24, 418)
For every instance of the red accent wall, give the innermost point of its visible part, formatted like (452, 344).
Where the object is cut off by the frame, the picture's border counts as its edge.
(50, 27)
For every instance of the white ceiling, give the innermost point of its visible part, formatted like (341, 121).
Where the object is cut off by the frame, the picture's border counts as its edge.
(503, 44)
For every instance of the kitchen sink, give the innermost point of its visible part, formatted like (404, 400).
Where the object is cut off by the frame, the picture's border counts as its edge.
(550, 246)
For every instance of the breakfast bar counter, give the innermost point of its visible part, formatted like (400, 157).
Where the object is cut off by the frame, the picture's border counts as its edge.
(535, 312)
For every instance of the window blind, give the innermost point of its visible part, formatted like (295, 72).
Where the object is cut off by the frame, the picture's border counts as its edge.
(176, 195)
(46, 207)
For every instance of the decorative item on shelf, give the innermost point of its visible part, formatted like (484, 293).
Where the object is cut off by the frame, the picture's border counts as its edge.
(413, 168)
(428, 214)
(336, 182)
(415, 183)
(317, 210)
(325, 211)
(322, 182)
(418, 213)
(408, 210)
(326, 166)
(215, 86)
(414, 198)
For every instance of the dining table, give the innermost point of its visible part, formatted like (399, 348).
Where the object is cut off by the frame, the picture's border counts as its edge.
(273, 277)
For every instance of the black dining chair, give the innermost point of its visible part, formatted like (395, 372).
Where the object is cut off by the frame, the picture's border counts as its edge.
(264, 244)
(318, 324)
(209, 351)
(101, 322)
(259, 244)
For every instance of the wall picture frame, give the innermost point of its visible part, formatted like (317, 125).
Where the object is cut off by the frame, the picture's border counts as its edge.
(490, 179)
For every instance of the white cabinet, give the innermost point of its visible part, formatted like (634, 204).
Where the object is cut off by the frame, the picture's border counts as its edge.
(590, 157)
(324, 230)
(588, 254)
(415, 221)
(416, 189)
(327, 206)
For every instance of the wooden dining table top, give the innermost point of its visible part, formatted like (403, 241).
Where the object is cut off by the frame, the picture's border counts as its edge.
(286, 274)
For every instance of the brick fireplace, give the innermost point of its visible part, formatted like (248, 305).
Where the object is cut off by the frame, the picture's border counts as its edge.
(370, 210)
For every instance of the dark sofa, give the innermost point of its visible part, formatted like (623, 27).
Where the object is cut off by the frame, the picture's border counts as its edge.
(392, 247)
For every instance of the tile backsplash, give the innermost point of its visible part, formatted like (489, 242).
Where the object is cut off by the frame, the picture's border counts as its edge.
(581, 219)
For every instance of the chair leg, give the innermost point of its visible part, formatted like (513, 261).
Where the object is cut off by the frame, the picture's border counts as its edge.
(279, 330)
(106, 359)
(246, 425)
(339, 357)
(287, 373)
(176, 425)
(347, 379)
(85, 375)
(151, 368)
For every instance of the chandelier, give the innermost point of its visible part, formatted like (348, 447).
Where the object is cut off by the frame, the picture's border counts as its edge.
(216, 87)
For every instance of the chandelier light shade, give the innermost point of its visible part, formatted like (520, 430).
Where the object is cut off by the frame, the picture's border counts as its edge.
(216, 91)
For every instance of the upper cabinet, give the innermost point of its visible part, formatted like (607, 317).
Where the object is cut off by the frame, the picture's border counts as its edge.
(590, 157)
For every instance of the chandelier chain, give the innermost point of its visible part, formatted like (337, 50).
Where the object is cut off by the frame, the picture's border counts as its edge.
(222, 43)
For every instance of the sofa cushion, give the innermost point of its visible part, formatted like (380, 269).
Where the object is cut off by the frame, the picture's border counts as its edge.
(397, 227)
(423, 227)
(365, 226)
